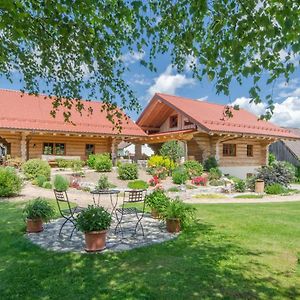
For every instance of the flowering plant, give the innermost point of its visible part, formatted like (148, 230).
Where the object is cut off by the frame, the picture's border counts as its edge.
(199, 180)
(154, 180)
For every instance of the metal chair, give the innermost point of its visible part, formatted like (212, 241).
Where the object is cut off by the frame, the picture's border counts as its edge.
(69, 213)
(130, 197)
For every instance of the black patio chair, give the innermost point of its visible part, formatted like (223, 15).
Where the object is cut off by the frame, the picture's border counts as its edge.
(69, 213)
(131, 197)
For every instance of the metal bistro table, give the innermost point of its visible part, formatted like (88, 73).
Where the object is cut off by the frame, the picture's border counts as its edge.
(112, 194)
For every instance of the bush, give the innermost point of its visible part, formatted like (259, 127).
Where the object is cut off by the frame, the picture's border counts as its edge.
(278, 172)
(180, 175)
(214, 174)
(138, 185)
(39, 208)
(216, 182)
(157, 200)
(240, 186)
(271, 159)
(61, 183)
(275, 189)
(40, 180)
(210, 163)
(156, 161)
(199, 180)
(100, 162)
(193, 168)
(94, 218)
(103, 183)
(172, 150)
(128, 171)
(69, 163)
(154, 181)
(35, 167)
(176, 209)
(47, 185)
(10, 182)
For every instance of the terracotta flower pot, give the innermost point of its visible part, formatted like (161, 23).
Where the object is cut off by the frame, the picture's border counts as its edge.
(173, 225)
(34, 225)
(95, 240)
(154, 213)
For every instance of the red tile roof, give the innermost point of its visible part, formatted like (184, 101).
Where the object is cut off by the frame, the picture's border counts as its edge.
(210, 117)
(33, 113)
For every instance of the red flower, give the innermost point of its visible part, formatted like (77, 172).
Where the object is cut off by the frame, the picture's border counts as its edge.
(199, 180)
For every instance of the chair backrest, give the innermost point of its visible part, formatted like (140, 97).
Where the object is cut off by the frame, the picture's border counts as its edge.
(62, 196)
(133, 196)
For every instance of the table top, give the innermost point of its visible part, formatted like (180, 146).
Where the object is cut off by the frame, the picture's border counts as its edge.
(105, 192)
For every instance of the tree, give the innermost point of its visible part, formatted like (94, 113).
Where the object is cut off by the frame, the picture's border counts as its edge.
(172, 150)
(74, 45)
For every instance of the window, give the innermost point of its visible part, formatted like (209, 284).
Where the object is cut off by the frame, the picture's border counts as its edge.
(249, 150)
(54, 148)
(188, 123)
(229, 149)
(173, 121)
(89, 149)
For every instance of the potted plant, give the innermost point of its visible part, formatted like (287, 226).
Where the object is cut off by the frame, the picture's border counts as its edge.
(94, 222)
(157, 201)
(37, 212)
(177, 215)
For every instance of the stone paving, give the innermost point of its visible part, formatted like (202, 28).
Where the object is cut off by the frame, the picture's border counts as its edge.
(155, 232)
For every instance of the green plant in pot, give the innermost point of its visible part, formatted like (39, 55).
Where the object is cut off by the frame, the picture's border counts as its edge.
(37, 212)
(178, 215)
(94, 222)
(157, 201)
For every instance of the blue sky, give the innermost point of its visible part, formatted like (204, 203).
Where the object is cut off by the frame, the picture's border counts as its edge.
(167, 80)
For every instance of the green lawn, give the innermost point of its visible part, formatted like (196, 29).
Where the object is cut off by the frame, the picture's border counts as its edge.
(236, 251)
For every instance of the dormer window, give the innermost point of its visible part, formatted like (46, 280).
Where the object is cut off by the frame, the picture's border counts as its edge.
(174, 121)
(188, 122)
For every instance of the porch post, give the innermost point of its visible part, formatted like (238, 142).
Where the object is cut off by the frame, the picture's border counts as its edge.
(114, 151)
(24, 146)
(138, 152)
(218, 151)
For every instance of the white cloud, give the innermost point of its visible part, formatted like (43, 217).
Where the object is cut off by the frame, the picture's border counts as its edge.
(168, 82)
(292, 84)
(243, 102)
(294, 93)
(294, 58)
(132, 57)
(202, 98)
(140, 79)
(286, 113)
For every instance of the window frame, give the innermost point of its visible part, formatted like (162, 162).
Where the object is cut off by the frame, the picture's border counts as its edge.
(172, 121)
(54, 146)
(86, 149)
(228, 152)
(249, 153)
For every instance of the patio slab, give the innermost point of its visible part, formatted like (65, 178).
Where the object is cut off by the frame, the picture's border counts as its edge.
(155, 232)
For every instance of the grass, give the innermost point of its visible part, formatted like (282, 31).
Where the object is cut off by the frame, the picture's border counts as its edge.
(209, 196)
(174, 189)
(249, 196)
(235, 251)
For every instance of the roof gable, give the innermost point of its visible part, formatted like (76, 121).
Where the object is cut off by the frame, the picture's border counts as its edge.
(210, 117)
(23, 111)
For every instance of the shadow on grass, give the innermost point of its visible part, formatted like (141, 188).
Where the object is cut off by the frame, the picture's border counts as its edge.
(201, 264)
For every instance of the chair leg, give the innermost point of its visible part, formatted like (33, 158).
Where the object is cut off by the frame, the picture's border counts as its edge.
(62, 226)
(119, 224)
(139, 222)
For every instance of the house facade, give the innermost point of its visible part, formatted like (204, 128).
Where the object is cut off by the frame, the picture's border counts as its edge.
(239, 143)
(27, 130)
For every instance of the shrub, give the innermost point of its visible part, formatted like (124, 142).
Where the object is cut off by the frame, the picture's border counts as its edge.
(10, 182)
(94, 218)
(199, 180)
(216, 182)
(180, 175)
(103, 183)
(100, 162)
(61, 183)
(278, 172)
(69, 163)
(138, 185)
(172, 150)
(35, 167)
(157, 200)
(128, 171)
(174, 189)
(158, 161)
(160, 172)
(176, 209)
(275, 189)
(47, 185)
(214, 174)
(39, 208)
(40, 180)
(209, 163)
(271, 159)
(194, 168)
(154, 181)
(240, 186)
